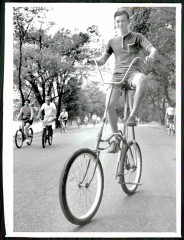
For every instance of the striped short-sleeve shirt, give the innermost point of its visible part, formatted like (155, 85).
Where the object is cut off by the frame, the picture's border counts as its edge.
(126, 48)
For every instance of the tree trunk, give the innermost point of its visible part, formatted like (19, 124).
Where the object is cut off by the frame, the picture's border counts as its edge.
(167, 95)
(43, 90)
(19, 72)
(58, 109)
(37, 93)
(50, 88)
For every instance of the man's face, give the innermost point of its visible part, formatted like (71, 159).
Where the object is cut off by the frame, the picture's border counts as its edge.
(121, 22)
(47, 100)
(26, 103)
(63, 110)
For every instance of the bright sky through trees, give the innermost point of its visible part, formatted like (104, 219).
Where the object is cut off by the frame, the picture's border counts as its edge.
(83, 15)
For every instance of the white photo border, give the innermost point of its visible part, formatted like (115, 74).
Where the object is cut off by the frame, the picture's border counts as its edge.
(8, 121)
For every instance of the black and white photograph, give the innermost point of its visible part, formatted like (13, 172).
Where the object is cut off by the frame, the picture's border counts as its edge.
(92, 112)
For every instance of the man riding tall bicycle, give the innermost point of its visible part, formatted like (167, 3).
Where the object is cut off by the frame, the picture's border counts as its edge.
(126, 46)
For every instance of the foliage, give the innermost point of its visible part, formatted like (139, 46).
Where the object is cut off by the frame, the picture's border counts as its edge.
(50, 65)
(158, 25)
(47, 64)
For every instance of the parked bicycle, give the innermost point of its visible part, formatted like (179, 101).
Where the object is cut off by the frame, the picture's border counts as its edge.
(82, 181)
(20, 137)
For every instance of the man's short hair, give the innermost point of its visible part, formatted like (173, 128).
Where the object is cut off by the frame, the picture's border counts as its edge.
(122, 12)
(27, 100)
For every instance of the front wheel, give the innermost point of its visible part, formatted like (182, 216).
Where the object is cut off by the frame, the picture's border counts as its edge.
(81, 186)
(50, 135)
(172, 129)
(19, 138)
(130, 167)
(30, 136)
(44, 135)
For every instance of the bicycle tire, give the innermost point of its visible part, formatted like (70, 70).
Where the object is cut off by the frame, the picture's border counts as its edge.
(44, 138)
(16, 138)
(64, 185)
(64, 127)
(30, 136)
(50, 138)
(137, 164)
(172, 132)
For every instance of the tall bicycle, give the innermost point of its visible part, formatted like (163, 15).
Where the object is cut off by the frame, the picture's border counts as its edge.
(82, 181)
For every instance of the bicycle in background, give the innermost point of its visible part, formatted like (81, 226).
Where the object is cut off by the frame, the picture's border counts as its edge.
(171, 127)
(62, 125)
(20, 137)
(47, 133)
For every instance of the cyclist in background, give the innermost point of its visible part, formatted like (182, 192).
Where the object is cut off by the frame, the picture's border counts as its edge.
(64, 118)
(86, 120)
(94, 119)
(78, 120)
(170, 115)
(98, 119)
(126, 45)
(26, 114)
(49, 109)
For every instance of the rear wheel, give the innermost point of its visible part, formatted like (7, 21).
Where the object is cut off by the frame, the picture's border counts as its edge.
(81, 186)
(169, 129)
(130, 167)
(172, 129)
(44, 138)
(30, 136)
(50, 135)
(64, 127)
(173, 132)
(19, 138)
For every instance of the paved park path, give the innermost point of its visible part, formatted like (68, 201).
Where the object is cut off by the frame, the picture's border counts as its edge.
(151, 209)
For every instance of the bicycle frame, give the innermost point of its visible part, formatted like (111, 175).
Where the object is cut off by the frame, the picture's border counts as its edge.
(128, 101)
(124, 136)
(62, 123)
(22, 128)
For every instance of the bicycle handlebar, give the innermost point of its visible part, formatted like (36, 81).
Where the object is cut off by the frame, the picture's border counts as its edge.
(118, 83)
(48, 120)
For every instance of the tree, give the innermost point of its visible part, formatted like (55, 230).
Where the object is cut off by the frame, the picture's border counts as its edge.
(49, 65)
(91, 100)
(22, 18)
(158, 25)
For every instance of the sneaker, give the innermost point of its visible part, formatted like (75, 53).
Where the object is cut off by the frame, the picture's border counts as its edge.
(131, 121)
(114, 147)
